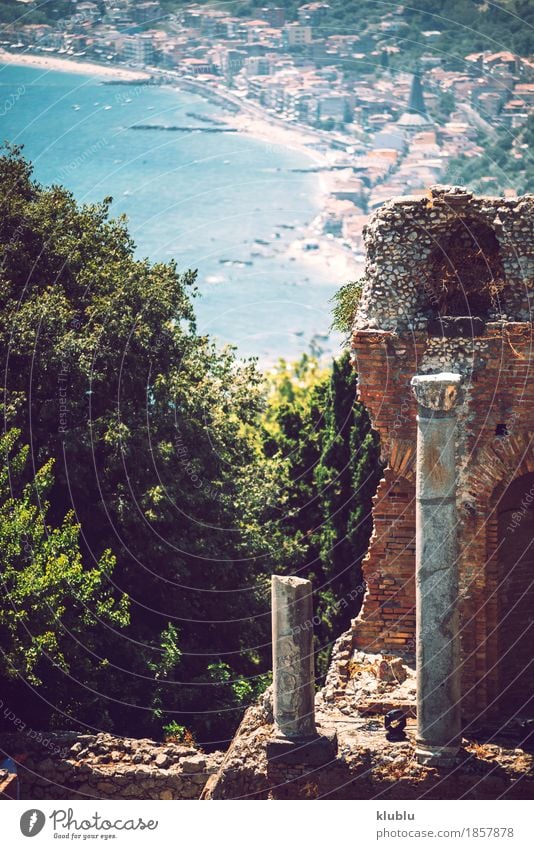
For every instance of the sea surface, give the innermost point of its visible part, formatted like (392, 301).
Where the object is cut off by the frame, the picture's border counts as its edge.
(225, 204)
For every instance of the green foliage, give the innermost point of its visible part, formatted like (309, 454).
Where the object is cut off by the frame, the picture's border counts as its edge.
(446, 104)
(44, 12)
(53, 609)
(323, 439)
(152, 433)
(346, 302)
(346, 478)
(465, 25)
(201, 478)
(175, 733)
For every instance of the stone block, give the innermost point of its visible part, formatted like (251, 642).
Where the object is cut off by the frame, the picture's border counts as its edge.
(310, 752)
(195, 764)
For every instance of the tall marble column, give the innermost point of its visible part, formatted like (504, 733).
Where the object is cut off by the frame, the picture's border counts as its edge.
(437, 635)
(293, 672)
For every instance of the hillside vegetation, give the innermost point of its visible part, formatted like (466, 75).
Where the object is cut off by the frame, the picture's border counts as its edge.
(152, 483)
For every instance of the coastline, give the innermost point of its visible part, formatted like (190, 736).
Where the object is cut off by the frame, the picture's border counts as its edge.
(73, 66)
(248, 121)
(270, 132)
(330, 254)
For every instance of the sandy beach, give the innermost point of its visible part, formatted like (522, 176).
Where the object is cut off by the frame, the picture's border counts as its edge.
(272, 133)
(330, 253)
(72, 66)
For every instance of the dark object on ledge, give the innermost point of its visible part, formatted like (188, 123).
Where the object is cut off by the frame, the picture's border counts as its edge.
(395, 723)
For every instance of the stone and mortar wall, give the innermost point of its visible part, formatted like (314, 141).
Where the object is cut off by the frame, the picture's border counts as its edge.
(87, 766)
(402, 236)
(391, 343)
(364, 764)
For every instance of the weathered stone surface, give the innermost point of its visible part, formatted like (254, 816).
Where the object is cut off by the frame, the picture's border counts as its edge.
(318, 751)
(365, 766)
(401, 238)
(402, 329)
(438, 392)
(293, 670)
(101, 766)
(436, 570)
(197, 763)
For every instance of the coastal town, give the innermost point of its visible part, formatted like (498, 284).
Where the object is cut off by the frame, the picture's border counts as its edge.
(375, 128)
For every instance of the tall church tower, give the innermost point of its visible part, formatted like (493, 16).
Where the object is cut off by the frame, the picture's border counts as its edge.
(416, 117)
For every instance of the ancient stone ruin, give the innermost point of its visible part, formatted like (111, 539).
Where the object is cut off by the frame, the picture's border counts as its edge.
(68, 765)
(449, 289)
(442, 343)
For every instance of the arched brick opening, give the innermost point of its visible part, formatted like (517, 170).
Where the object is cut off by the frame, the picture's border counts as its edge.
(510, 583)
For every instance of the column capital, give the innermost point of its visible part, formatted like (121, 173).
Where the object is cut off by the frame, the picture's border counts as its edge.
(438, 392)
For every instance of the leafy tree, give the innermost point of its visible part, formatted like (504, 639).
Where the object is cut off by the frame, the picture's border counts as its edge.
(323, 437)
(54, 610)
(346, 302)
(346, 478)
(170, 454)
(446, 104)
(152, 433)
(464, 25)
(44, 12)
(505, 163)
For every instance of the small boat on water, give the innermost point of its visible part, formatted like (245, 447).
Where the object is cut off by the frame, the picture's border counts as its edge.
(76, 107)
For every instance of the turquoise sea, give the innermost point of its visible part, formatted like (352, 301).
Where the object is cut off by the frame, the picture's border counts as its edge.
(225, 204)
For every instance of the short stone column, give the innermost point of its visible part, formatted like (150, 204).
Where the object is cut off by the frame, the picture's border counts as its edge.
(436, 570)
(296, 753)
(293, 668)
